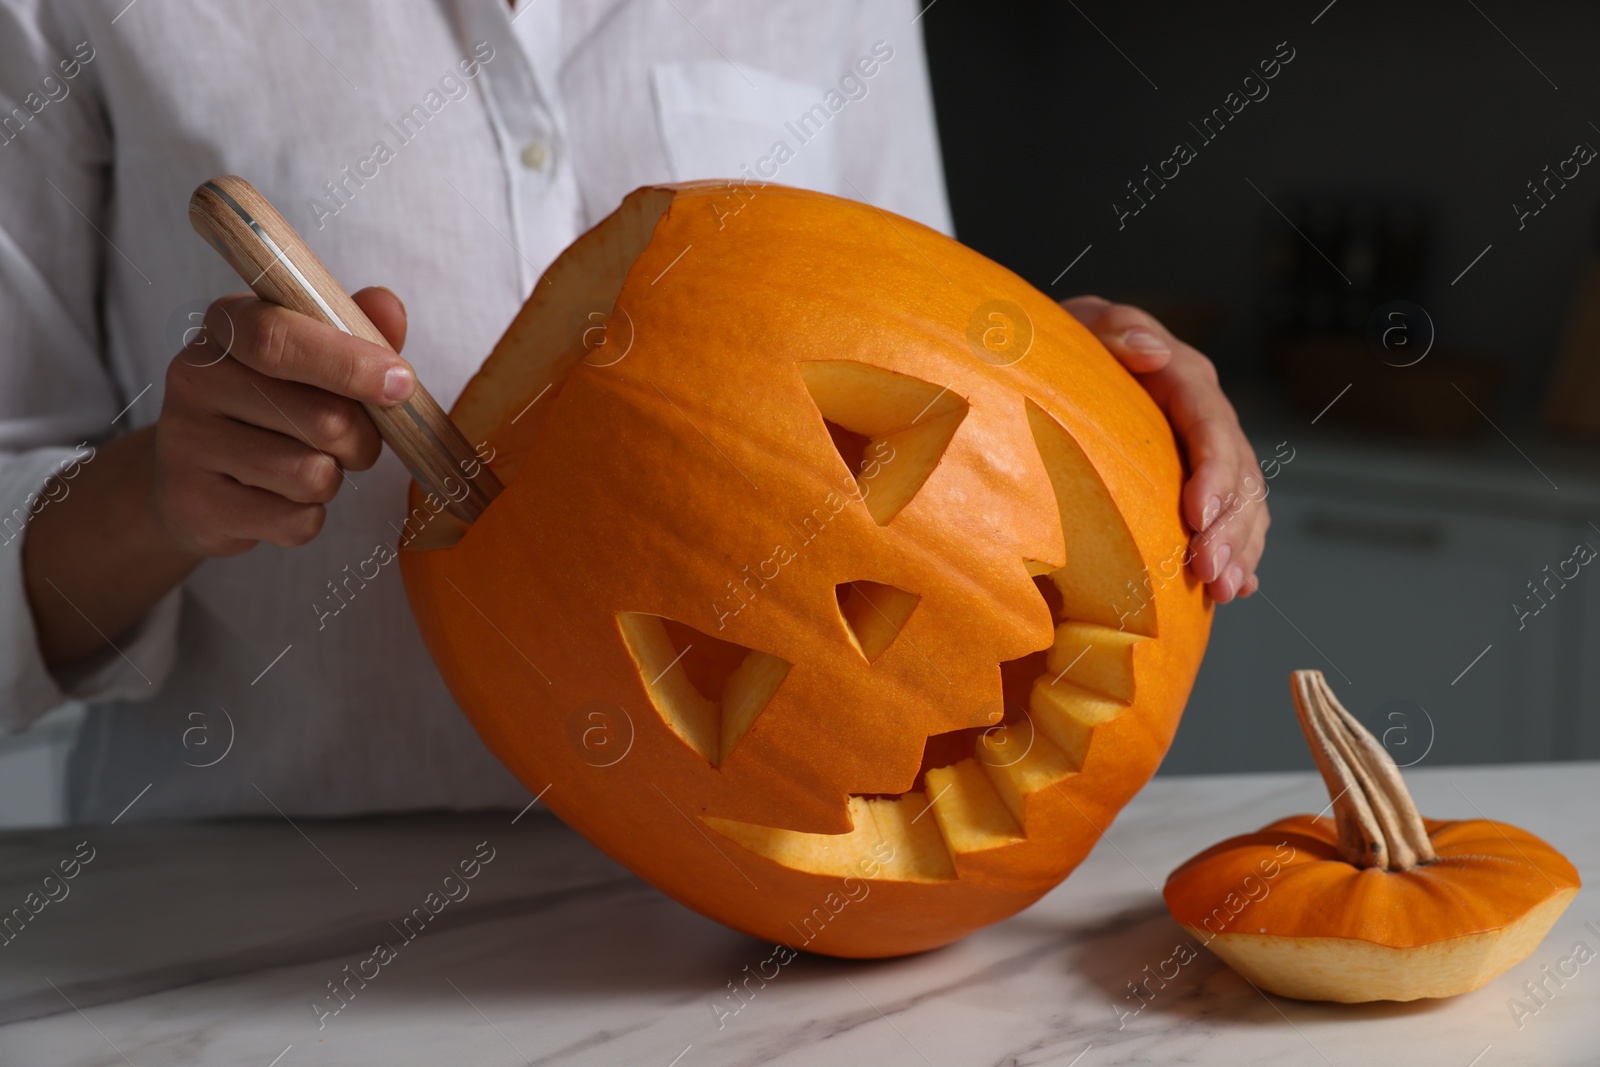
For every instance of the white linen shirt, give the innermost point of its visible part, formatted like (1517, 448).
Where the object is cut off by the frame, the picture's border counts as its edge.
(448, 149)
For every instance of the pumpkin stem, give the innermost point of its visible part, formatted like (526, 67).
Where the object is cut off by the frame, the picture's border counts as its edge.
(1378, 823)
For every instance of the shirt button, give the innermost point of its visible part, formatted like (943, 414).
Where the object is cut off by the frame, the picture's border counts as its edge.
(535, 155)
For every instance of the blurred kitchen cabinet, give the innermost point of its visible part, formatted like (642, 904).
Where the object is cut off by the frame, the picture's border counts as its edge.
(33, 770)
(1407, 608)
(1585, 734)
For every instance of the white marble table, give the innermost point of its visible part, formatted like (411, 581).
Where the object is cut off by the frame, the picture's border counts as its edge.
(206, 944)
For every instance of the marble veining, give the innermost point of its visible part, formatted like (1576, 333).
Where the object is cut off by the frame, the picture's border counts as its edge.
(210, 944)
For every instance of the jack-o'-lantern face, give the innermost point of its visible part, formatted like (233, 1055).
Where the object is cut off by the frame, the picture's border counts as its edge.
(836, 589)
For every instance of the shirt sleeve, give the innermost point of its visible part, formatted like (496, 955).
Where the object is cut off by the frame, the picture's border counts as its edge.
(891, 156)
(55, 389)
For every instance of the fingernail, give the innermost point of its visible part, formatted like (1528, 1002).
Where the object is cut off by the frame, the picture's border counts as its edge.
(1235, 578)
(1219, 559)
(398, 383)
(1142, 340)
(1213, 507)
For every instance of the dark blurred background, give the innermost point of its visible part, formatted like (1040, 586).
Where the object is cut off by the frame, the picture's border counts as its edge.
(1389, 301)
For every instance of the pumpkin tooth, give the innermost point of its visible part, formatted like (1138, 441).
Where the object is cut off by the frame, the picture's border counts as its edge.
(888, 837)
(1068, 714)
(1095, 657)
(1041, 765)
(920, 853)
(971, 814)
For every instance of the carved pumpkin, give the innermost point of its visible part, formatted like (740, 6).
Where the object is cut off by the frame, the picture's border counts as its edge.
(1377, 903)
(818, 593)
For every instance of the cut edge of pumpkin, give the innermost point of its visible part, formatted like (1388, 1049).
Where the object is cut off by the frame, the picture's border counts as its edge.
(890, 838)
(1354, 971)
(566, 320)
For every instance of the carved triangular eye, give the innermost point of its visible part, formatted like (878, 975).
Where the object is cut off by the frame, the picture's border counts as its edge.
(707, 689)
(874, 614)
(889, 429)
(1096, 585)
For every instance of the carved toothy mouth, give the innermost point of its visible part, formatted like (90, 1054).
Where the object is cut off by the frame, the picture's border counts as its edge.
(971, 794)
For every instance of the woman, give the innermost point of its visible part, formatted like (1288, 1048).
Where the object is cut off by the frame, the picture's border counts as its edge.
(176, 519)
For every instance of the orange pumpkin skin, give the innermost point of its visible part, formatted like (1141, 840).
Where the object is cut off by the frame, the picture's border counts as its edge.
(656, 483)
(1290, 881)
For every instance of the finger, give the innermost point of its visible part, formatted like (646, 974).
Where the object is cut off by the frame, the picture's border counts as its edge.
(1223, 543)
(1249, 553)
(1188, 390)
(1224, 589)
(1217, 451)
(1209, 554)
(284, 344)
(1215, 547)
(256, 514)
(1205, 423)
(1138, 341)
(209, 343)
(1086, 309)
(1228, 551)
(235, 516)
(1213, 463)
(317, 418)
(1251, 584)
(277, 463)
(385, 311)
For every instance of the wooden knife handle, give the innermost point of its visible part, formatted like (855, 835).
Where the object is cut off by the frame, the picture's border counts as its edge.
(278, 265)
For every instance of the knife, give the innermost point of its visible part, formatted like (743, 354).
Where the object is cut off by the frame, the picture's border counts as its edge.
(280, 268)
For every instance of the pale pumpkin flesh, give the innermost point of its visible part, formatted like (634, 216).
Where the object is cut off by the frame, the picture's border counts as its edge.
(1356, 972)
(963, 661)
